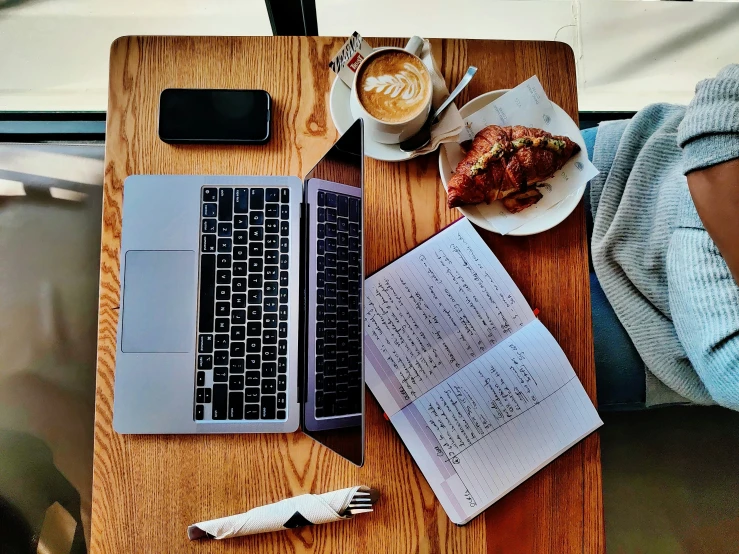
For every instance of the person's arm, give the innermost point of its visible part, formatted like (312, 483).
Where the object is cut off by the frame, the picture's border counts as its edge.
(709, 136)
(715, 192)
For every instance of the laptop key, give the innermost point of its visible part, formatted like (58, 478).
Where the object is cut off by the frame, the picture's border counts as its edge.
(238, 301)
(205, 361)
(210, 194)
(251, 411)
(256, 198)
(282, 382)
(200, 381)
(321, 198)
(269, 353)
(252, 379)
(255, 281)
(270, 288)
(223, 261)
(225, 204)
(220, 374)
(272, 210)
(241, 222)
(342, 225)
(240, 269)
(220, 357)
(210, 210)
(331, 199)
(256, 233)
(209, 225)
(272, 195)
(272, 225)
(270, 257)
(238, 285)
(343, 205)
(284, 212)
(270, 321)
(254, 328)
(269, 369)
(321, 217)
(284, 228)
(199, 412)
(240, 252)
(255, 296)
(253, 361)
(236, 366)
(205, 344)
(268, 407)
(255, 265)
(269, 386)
(283, 278)
(236, 405)
(284, 195)
(208, 243)
(354, 210)
(241, 236)
(223, 293)
(283, 313)
(253, 345)
(223, 277)
(237, 349)
(282, 365)
(283, 330)
(256, 218)
(251, 394)
(241, 201)
(272, 241)
(270, 336)
(236, 382)
(281, 400)
(284, 245)
(220, 401)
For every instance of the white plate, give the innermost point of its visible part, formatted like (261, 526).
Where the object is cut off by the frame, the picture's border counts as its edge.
(551, 217)
(341, 114)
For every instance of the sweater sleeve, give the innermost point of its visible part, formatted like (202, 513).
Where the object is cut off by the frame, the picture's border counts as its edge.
(704, 304)
(709, 133)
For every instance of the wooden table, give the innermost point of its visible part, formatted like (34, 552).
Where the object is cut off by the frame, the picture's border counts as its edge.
(147, 489)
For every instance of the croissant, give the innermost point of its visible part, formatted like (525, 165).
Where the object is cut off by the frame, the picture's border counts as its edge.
(505, 161)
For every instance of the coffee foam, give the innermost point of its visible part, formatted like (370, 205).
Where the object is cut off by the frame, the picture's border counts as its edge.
(393, 86)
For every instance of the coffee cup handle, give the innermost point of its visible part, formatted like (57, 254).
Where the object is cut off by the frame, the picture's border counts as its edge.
(414, 46)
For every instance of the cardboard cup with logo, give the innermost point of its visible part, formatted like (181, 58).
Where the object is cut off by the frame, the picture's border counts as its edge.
(393, 86)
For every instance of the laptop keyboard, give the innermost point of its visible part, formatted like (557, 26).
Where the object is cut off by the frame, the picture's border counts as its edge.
(338, 306)
(243, 308)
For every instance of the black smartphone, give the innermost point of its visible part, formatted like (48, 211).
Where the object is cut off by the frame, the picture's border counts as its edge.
(214, 116)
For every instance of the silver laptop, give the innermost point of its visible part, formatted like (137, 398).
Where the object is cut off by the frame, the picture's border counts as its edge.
(241, 303)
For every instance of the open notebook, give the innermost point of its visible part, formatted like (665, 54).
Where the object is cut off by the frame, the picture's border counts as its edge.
(478, 389)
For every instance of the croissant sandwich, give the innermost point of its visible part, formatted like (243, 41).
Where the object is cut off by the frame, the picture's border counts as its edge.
(505, 163)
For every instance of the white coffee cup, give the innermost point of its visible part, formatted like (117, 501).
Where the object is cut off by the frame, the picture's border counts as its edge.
(387, 132)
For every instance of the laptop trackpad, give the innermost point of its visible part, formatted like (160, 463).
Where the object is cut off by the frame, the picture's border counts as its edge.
(158, 301)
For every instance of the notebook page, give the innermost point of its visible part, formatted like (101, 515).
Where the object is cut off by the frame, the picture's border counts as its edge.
(490, 426)
(433, 311)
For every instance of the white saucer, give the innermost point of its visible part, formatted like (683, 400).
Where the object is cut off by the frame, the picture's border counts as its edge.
(551, 217)
(343, 119)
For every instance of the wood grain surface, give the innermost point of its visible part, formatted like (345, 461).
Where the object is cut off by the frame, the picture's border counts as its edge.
(147, 489)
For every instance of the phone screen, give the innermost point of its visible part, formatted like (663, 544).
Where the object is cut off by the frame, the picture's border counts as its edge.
(214, 116)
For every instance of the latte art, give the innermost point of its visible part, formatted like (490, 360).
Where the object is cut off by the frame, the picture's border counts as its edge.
(394, 86)
(408, 83)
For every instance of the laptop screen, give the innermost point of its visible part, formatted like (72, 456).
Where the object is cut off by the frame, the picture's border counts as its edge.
(333, 391)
